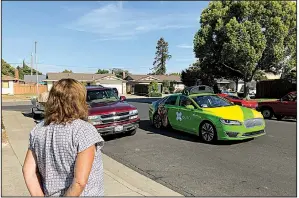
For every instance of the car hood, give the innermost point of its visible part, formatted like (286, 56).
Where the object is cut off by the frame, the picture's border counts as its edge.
(234, 112)
(103, 108)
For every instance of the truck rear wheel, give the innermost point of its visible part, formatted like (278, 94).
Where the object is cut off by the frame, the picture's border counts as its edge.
(267, 113)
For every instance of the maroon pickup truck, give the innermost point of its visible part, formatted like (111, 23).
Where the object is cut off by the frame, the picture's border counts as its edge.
(284, 107)
(109, 113)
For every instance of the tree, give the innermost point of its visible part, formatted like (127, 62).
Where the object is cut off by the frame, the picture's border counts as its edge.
(242, 37)
(7, 69)
(119, 73)
(175, 74)
(153, 87)
(162, 55)
(196, 72)
(102, 71)
(26, 70)
(67, 71)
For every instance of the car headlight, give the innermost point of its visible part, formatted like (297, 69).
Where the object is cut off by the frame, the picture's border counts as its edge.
(133, 112)
(230, 122)
(93, 117)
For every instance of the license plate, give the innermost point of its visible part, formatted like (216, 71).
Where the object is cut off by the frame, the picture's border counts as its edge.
(118, 128)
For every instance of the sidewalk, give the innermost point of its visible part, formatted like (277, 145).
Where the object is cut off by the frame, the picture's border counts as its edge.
(119, 180)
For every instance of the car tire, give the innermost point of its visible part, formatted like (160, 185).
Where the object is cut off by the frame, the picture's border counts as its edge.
(35, 116)
(279, 117)
(207, 132)
(267, 113)
(131, 132)
(157, 121)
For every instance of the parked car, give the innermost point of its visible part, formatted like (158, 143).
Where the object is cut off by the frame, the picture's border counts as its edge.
(286, 106)
(239, 101)
(109, 113)
(206, 115)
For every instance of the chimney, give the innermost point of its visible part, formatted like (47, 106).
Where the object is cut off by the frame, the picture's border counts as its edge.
(17, 74)
(124, 74)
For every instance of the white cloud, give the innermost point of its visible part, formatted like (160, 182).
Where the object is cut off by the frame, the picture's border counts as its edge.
(185, 46)
(115, 22)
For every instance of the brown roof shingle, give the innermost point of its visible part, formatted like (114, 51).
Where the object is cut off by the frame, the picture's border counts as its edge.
(76, 76)
(7, 78)
(160, 78)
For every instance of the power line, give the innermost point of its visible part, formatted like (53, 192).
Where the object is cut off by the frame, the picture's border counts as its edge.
(72, 66)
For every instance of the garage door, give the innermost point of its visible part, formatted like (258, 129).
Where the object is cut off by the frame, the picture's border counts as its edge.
(119, 87)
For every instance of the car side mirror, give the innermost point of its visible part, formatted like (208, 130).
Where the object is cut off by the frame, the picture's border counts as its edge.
(122, 98)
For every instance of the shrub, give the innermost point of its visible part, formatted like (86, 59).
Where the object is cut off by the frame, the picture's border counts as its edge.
(171, 89)
(153, 87)
(155, 94)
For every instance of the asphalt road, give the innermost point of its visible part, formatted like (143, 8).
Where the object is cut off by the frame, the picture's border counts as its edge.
(265, 166)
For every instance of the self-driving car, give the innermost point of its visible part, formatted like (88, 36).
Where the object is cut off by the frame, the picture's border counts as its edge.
(206, 115)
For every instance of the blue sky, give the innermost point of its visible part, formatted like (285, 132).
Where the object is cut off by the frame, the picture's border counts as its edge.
(86, 36)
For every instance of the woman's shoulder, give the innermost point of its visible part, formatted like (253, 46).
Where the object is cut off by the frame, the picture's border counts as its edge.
(81, 123)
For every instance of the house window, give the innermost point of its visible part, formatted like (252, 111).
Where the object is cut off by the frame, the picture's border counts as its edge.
(5, 84)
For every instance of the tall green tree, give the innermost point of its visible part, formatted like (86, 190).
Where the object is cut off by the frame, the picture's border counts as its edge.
(102, 71)
(162, 56)
(242, 37)
(67, 71)
(191, 75)
(7, 69)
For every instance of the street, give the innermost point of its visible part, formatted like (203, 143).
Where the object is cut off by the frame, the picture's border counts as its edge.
(265, 166)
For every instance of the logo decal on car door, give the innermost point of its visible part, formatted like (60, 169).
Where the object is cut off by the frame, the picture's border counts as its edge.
(179, 116)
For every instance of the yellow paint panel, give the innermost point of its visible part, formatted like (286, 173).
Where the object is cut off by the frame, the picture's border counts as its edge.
(257, 114)
(230, 113)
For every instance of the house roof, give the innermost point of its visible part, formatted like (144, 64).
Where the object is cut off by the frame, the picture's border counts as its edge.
(32, 79)
(159, 78)
(78, 76)
(7, 78)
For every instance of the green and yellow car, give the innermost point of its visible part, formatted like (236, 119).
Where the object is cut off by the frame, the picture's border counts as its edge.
(208, 116)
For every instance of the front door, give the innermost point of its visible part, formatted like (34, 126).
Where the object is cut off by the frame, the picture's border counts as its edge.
(288, 105)
(185, 117)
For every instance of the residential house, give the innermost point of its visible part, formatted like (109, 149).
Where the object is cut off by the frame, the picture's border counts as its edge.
(230, 84)
(31, 79)
(106, 80)
(9, 82)
(138, 84)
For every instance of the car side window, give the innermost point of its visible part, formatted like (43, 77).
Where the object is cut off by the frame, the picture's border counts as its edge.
(289, 97)
(185, 101)
(171, 100)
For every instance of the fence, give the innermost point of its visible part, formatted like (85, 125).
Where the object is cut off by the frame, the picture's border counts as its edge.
(29, 89)
(274, 88)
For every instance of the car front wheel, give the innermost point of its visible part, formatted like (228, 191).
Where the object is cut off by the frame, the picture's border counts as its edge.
(208, 132)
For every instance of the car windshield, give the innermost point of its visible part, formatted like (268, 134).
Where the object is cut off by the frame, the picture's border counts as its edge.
(211, 101)
(102, 95)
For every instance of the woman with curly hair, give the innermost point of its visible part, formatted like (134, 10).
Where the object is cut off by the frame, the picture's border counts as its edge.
(64, 154)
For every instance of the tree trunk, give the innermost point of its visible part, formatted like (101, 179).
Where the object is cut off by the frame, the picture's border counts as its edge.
(246, 96)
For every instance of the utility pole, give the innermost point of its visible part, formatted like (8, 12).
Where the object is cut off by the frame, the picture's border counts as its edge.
(31, 62)
(36, 67)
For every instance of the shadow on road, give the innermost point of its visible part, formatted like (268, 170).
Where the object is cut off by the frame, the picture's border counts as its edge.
(142, 100)
(287, 119)
(146, 126)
